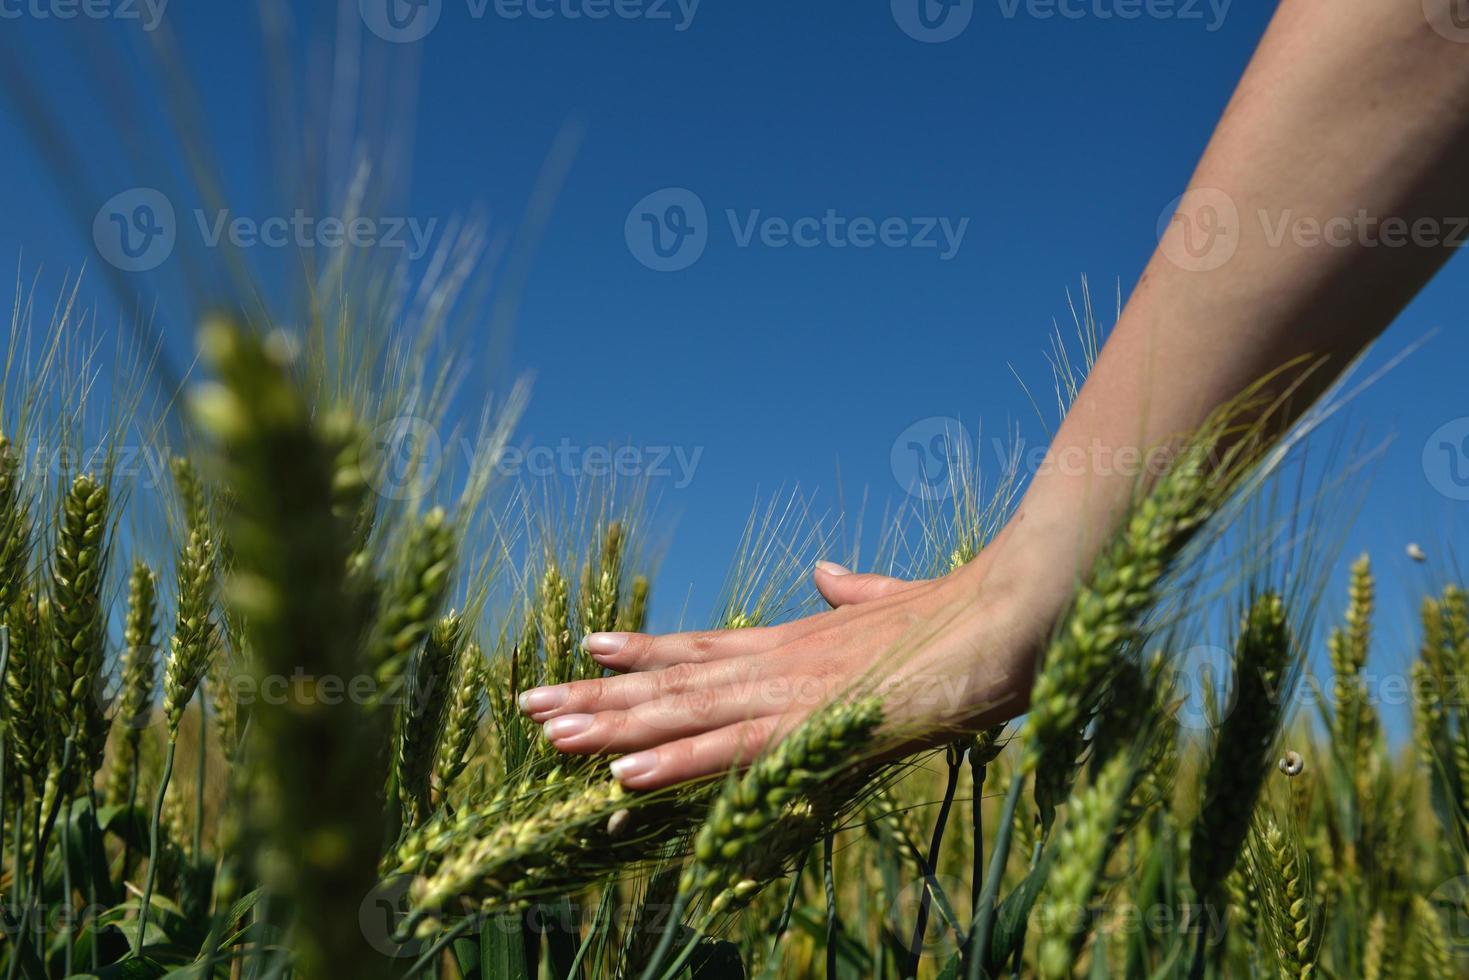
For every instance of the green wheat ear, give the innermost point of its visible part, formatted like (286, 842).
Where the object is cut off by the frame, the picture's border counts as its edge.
(26, 711)
(1434, 953)
(602, 583)
(1244, 750)
(191, 493)
(552, 617)
(751, 805)
(195, 633)
(1354, 724)
(139, 667)
(421, 718)
(634, 615)
(1291, 917)
(224, 669)
(15, 527)
(1094, 821)
(316, 809)
(416, 590)
(77, 620)
(463, 720)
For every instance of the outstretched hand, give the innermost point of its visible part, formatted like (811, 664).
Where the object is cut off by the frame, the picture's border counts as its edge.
(945, 654)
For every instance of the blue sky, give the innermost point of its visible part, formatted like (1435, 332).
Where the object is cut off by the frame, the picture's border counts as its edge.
(1047, 138)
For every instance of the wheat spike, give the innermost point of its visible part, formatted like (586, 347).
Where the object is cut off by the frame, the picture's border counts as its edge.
(1105, 614)
(15, 527)
(1431, 941)
(1290, 914)
(750, 806)
(77, 620)
(316, 808)
(421, 718)
(411, 602)
(1245, 743)
(463, 721)
(195, 633)
(27, 730)
(634, 614)
(553, 606)
(1083, 846)
(139, 670)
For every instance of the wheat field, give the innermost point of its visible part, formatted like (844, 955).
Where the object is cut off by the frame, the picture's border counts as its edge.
(260, 720)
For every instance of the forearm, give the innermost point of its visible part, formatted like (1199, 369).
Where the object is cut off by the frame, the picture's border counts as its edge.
(1353, 110)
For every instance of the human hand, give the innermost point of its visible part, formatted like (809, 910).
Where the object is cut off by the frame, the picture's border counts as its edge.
(948, 654)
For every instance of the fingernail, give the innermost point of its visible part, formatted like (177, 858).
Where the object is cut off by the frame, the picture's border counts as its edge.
(637, 764)
(604, 644)
(567, 726)
(542, 699)
(832, 568)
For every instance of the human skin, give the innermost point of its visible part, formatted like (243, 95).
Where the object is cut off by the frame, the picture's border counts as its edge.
(1348, 106)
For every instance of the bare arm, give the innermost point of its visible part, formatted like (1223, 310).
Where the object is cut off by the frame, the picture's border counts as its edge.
(1354, 115)
(1317, 212)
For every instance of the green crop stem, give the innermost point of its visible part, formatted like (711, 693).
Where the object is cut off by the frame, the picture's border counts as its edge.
(152, 878)
(984, 916)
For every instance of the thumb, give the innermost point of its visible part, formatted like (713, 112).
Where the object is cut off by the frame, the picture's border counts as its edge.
(840, 586)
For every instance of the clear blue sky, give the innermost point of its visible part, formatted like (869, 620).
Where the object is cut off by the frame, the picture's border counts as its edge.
(1057, 142)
